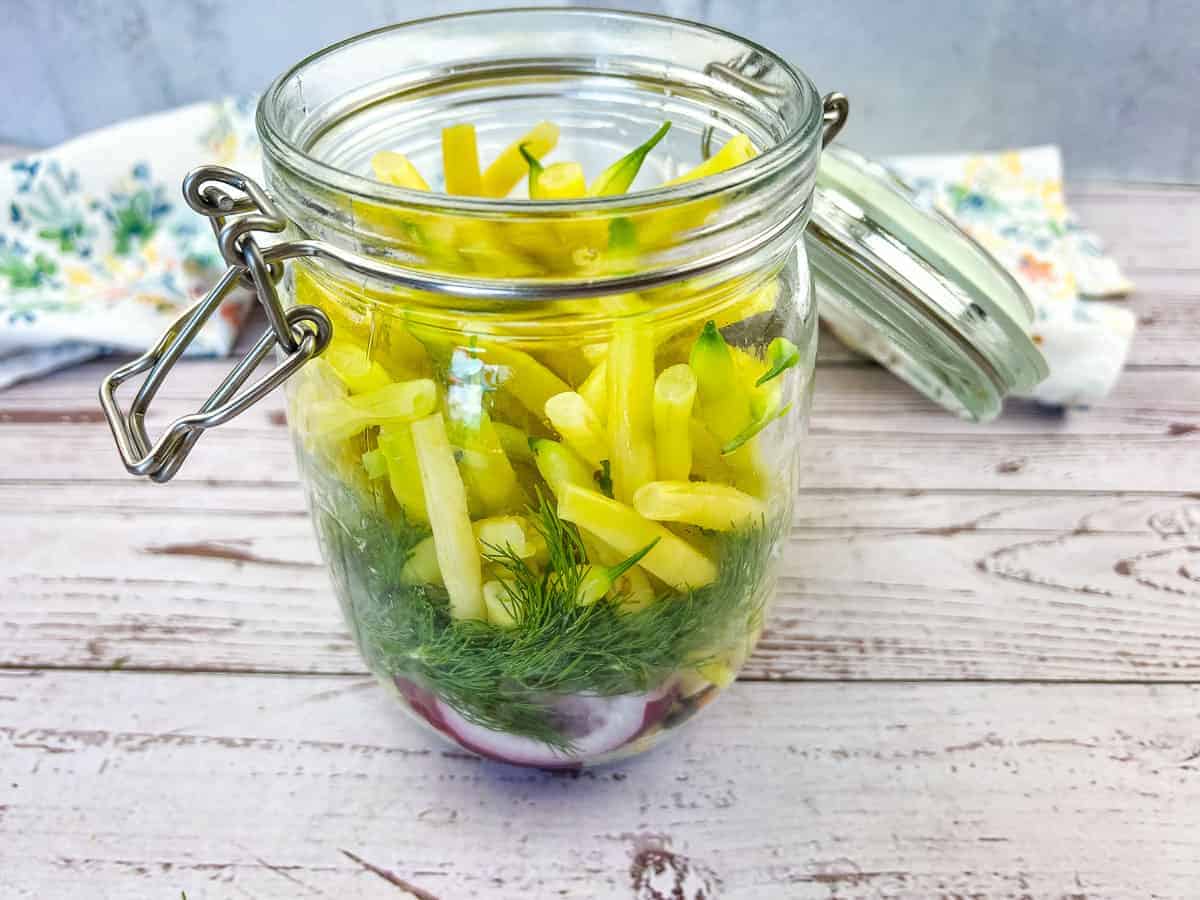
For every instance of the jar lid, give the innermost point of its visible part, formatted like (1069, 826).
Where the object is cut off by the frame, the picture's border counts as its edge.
(902, 283)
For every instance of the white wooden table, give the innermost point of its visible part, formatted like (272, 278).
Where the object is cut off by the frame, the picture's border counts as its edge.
(982, 678)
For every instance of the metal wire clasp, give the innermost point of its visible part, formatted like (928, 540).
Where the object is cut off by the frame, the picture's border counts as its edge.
(301, 333)
(748, 71)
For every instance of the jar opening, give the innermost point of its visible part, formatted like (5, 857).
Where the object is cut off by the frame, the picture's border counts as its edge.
(609, 73)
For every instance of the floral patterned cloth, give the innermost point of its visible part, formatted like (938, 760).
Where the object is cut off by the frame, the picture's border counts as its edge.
(100, 253)
(98, 250)
(1012, 203)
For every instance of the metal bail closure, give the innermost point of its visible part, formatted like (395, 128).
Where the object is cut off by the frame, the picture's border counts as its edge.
(301, 333)
(836, 107)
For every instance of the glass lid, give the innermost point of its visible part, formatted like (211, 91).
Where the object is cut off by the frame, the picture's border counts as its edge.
(905, 285)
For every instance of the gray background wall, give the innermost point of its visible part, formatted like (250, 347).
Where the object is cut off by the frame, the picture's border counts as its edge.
(1115, 82)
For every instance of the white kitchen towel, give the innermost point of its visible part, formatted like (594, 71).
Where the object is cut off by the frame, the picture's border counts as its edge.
(1012, 203)
(99, 251)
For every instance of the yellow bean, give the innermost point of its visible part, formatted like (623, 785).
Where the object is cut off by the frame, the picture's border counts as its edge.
(674, 395)
(510, 167)
(460, 161)
(711, 505)
(446, 500)
(630, 418)
(579, 426)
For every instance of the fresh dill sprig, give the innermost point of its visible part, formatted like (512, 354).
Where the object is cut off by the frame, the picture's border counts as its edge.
(501, 678)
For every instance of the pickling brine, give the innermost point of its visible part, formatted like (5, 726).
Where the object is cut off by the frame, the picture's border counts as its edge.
(553, 526)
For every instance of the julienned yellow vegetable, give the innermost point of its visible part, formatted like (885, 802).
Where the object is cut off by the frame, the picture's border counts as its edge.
(672, 559)
(524, 377)
(460, 161)
(355, 368)
(510, 167)
(674, 394)
(594, 390)
(491, 481)
(446, 500)
(711, 505)
(579, 426)
(736, 151)
(630, 419)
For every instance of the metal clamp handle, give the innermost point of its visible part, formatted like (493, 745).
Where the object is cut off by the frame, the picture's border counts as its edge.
(747, 71)
(302, 332)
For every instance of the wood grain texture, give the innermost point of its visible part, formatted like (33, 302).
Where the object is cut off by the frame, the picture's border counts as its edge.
(876, 585)
(140, 786)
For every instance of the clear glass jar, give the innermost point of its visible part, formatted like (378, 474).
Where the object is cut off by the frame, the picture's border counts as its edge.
(552, 475)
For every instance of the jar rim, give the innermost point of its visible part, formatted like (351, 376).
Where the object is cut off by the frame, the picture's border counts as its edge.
(801, 134)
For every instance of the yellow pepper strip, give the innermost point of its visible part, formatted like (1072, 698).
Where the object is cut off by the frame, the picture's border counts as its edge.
(672, 559)
(460, 161)
(498, 600)
(571, 417)
(396, 445)
(594, 390)
(617, 178)
(674, 395)
(509, 167)
(524, 377)
(355, 368)
(736, 151)
(630, 420)
(401, 401)
(514, 442)
(711, 505)
(724, 400)
(395, 168)
(446, 500)
(560, 466)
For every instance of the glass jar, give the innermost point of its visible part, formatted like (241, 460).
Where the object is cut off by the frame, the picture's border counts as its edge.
(551, 442)
(553, 519)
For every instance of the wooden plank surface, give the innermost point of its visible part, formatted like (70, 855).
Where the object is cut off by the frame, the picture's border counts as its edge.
(980, 679)
(875, 585)
(142, 786)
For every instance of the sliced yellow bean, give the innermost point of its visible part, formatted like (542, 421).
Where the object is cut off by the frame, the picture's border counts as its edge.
(524, 377)
(395, 168)
(404, 476)
(355, 368)
(497, 599)
(579, 426)
(337, 420)
(489, 476)
(514, 442)
(674, 396)
(460, 161)
(672, 559)
(510, 167)
(561, 181)
(560, 466)
(724, 400)
(446, 500)
(630, 419)
(736, 151)
(594, 390)
(707, 461)
(711, 505)
(498, 532)
(633, 587)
